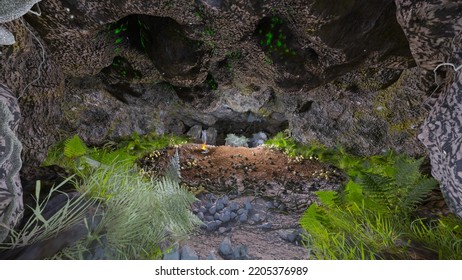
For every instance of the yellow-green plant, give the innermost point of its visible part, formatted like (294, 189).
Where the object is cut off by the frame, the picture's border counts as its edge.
(374, 216)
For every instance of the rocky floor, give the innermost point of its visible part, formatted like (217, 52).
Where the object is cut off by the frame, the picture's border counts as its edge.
(250, 199)
(259, 172)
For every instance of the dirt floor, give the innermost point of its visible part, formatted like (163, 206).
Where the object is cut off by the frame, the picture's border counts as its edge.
(270, 188)
(261, 172)
(279, 188)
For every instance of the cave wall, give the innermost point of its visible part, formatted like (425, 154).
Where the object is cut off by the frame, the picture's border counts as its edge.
(434, 31)
(335, 74)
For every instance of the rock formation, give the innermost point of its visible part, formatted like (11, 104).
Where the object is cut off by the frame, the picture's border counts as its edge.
(356, 74)
(439, 56)
(11, 204)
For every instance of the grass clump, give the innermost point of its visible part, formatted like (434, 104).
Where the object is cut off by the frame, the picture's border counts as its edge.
(41, 226)
(135, 216)
(374, 217)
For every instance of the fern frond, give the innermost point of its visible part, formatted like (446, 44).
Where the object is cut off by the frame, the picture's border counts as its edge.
(74, 147)
(407, 171)
(377, 187)
(418, 193)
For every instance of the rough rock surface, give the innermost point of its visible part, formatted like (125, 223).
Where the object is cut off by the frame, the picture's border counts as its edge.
(441, 133)
(11, 204)
(327, 73)
(357, 73)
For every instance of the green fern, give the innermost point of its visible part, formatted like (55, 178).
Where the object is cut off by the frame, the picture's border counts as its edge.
(138, 215)
(417, 193)
(74, 147)
(407, 172)
(373, 214)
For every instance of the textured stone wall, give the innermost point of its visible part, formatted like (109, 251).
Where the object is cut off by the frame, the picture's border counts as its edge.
(11, 204)
(338, 74)
(434, 31)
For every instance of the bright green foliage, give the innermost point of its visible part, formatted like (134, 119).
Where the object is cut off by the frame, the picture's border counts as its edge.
(74, 155)
(74, 147)
(373, 217)
(138, 214)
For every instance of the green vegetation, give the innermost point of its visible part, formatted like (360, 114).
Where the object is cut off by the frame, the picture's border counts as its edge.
(273, 35)
(127, 216)
(211, 83)
(39, 228)
(374, 217)
(72, 154)
(137, 214)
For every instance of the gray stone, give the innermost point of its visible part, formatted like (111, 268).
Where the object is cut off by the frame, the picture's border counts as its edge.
(233, 215)
(292, 236)
(266, 226)
(222, 230)
(208, 218)
(225, 217)
(256, 218)
(248, 206)
(195, 133)
(211, 136)
(276, 203)
(220, 205)
(283, 233)
(187, 253)
(173, 254)
(216, 216)
(11, 202)
(269, 204)
(211, 226)
(212, 256)
(243, 218)
(241, 211)
(240, 253)
(225, 200)
(200, 215)
(234, 206)
(258, 139)
(226, 249)
(212, 210)
(202, 209)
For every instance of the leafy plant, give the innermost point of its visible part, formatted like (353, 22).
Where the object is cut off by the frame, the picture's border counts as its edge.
(74, 155)
(138, 215)
(374, 216)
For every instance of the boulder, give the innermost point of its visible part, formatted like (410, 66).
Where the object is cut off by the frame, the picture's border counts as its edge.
(11, 201)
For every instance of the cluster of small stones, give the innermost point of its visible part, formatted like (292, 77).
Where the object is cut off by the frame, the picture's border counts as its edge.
(221, 214)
